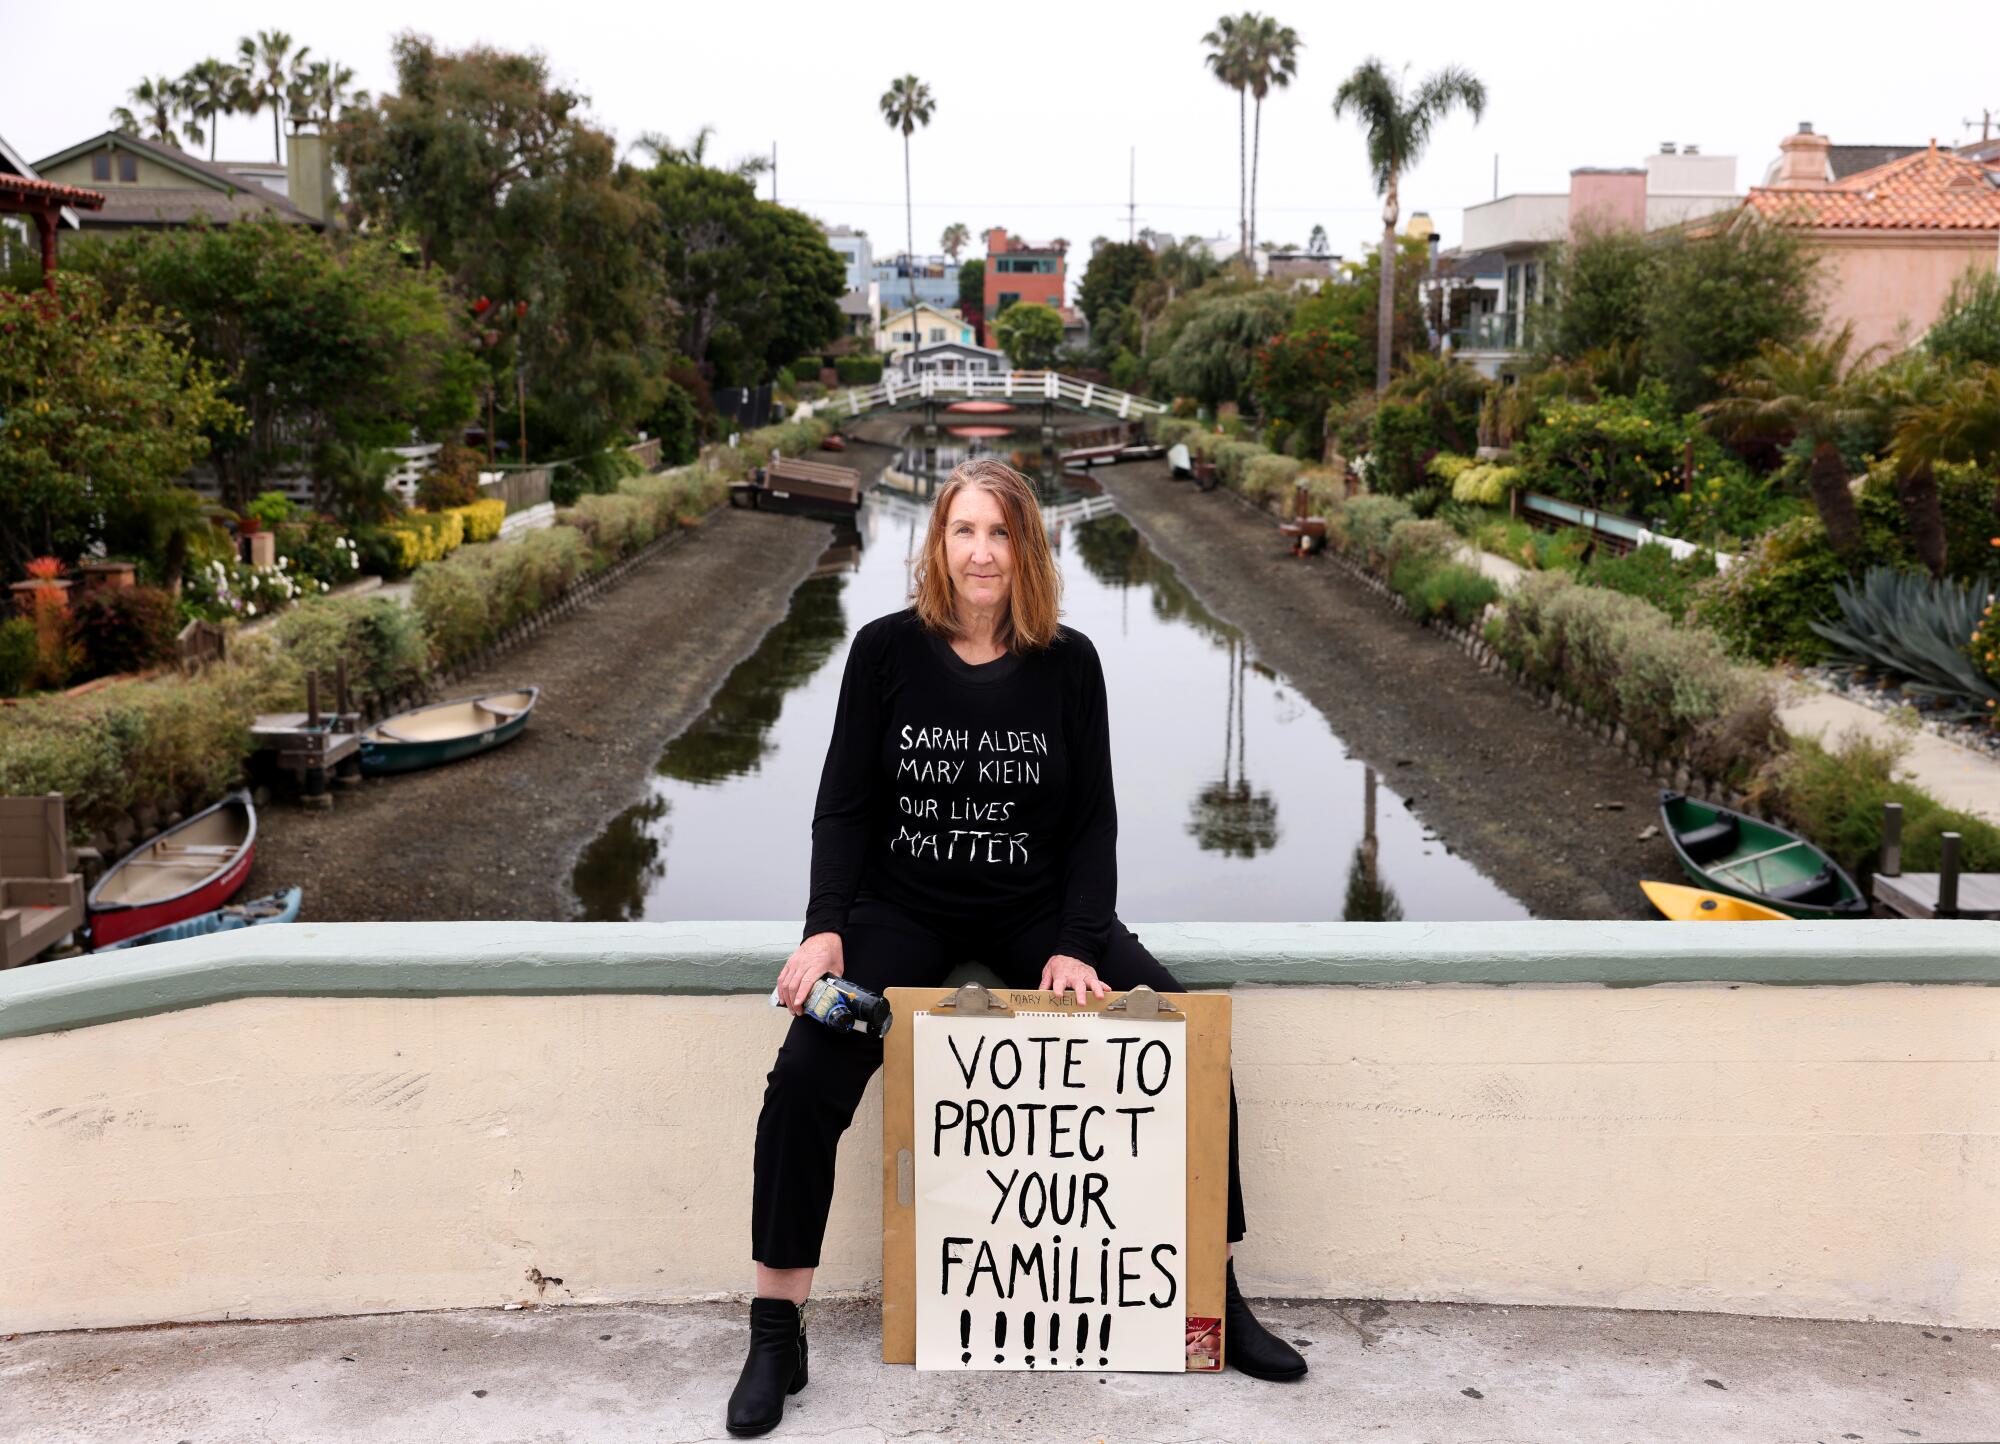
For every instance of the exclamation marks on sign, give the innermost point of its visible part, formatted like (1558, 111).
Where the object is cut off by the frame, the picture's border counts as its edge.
(965, 1335)
(1053, 1333)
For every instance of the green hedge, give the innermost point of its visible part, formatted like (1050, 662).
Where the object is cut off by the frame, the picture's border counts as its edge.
(1622, 659)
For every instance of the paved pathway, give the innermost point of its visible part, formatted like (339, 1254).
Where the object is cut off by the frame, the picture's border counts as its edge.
(1390, 1371)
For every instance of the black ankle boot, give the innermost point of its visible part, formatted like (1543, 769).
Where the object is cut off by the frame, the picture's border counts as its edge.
(776, 1367)
(1249, 1346)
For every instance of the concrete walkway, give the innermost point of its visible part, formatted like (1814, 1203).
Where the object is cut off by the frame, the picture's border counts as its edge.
(1440, 1373)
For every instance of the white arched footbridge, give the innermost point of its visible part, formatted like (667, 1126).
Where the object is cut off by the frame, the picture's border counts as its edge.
(1047, 389)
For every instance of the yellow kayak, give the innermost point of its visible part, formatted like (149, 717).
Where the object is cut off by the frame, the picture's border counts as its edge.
(1691, 905)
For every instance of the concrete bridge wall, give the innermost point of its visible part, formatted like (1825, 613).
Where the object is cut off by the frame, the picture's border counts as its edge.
(324, 1119)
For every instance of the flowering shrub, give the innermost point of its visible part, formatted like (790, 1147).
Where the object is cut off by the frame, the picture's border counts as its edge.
(319, 552)
(236, 589)
(1984, 647)
(482, 518)
(424, 536)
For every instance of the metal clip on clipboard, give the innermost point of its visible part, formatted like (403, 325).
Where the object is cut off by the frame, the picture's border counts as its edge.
(972, 1000)
(1145, 1005)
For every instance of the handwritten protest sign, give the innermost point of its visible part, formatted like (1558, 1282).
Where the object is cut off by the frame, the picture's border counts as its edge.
(1051, 1192)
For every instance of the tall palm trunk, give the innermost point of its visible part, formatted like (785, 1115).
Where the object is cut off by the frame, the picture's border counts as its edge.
(1256, 156)
(1923, 512)
(277, 149)
(1385, 304)
(909, 233)
(1828, 480)
(1242, 178)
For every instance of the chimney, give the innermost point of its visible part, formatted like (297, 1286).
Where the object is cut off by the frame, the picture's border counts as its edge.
(309, 175)
(1802, 160)
(1666, 147)
(1607, 200)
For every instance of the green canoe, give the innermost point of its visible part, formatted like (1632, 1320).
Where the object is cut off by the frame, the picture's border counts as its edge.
(445, 731)
(1760, 862)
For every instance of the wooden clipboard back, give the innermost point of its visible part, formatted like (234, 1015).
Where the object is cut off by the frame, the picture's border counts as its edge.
(1206, 1016)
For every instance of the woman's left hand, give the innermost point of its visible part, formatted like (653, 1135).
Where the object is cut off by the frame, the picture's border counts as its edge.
(1062, 973)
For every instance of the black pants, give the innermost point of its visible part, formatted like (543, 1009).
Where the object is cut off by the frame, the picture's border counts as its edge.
(812, 1091)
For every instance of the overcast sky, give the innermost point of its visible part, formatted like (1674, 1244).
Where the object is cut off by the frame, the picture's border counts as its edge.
(1039, 105)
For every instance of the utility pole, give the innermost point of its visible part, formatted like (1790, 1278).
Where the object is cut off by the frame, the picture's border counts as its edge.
(1132, 198)
(1985, 125)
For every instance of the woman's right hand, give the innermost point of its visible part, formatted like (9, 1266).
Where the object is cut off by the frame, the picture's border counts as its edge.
(817, 956)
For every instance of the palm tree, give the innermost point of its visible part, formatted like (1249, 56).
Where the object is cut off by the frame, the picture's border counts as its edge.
(1811, 392)
(907, 104)
(663, 150)
(159, 103)
(1399, 126)
(321, 91)
(270, 66)
(1227, 58)
(211, 89)
(1959, 422)
(1271, 59)
(955, 239)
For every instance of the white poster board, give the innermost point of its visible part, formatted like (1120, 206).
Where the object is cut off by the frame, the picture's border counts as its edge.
(1051, 1192)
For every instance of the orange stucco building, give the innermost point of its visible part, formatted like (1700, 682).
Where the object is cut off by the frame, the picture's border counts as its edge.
(1017, 270)
(1894, 237)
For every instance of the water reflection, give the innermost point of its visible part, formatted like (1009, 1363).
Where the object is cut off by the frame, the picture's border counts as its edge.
(1228, 815)
(729, 739)
(725, 831)
(618, 869)
(1369, 898)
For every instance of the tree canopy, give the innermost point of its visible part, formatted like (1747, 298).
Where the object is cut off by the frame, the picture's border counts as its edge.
(102, 407)
(1030, 333)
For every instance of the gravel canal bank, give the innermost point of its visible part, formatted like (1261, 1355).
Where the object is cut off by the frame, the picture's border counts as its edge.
(495, 836)
(1551, 817)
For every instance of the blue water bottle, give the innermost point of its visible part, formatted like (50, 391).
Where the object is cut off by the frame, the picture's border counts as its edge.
(844, 1006)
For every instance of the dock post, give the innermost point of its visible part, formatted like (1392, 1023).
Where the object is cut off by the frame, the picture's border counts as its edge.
(312, 697)
(1892, 840)
(1947, 897)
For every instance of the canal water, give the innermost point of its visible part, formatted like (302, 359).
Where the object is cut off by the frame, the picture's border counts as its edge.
(1236, 800)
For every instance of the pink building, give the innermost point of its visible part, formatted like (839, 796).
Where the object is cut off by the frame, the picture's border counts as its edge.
(1894, 236)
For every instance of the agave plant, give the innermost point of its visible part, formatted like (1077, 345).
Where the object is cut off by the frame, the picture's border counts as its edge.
(1916, 628)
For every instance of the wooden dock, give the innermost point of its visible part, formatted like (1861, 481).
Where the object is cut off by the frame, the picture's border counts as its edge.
(1946, 893)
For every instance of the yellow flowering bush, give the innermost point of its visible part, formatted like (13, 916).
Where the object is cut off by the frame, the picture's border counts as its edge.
(482, 518)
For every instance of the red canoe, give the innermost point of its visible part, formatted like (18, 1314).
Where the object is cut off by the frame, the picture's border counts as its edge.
(192, 868)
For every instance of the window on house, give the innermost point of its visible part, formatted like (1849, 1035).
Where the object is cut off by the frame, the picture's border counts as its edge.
(128, 168)
(937, 334)
(1513, 288)
(100, 166)
(1528, 276)
(1007, 298)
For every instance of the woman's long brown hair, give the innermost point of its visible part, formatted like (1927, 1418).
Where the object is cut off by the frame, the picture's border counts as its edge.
(1034, 600)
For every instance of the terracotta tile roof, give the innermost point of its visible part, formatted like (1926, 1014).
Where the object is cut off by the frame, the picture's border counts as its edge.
(30, 188)
(1932, 190)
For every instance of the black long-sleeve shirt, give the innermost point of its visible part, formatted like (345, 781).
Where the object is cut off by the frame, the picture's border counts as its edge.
(968, 791)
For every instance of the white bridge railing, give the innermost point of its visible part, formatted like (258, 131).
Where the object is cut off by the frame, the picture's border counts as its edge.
(1025, 387)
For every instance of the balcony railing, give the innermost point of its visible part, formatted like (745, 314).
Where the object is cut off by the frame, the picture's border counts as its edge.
(1494, 331)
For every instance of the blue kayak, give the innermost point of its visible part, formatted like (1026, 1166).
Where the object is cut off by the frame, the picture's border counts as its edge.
(279, 907)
